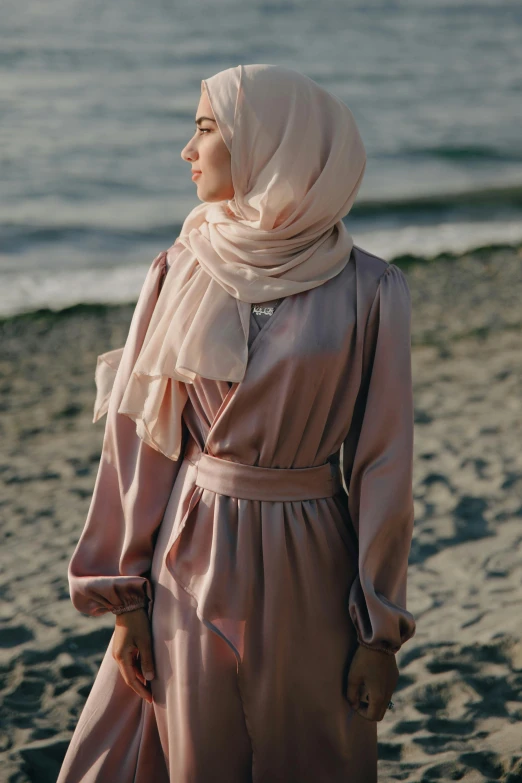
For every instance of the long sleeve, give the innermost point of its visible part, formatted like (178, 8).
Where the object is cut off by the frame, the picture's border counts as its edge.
(378, 470)
(109, 567)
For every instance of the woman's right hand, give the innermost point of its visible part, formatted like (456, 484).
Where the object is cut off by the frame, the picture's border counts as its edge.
(132, 650)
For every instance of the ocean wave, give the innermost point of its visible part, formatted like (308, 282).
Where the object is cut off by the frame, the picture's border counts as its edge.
(18, 237)
(430, 208)
(493, 200)
(48, 295)
(471, 152)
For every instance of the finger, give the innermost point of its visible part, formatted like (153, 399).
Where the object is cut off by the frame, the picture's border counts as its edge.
(378, 714)
(371, 714)
(128, 670)
(138, 687)
(376, 709)
(146, 660)
(353, 691)
(364, 704)
(139, 675)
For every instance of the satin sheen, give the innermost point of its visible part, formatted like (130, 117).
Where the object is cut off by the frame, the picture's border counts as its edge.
(257, 606)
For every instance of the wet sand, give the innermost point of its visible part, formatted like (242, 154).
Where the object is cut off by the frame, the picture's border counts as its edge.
(458, 705)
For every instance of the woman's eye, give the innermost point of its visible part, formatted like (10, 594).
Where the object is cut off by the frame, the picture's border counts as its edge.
(204, 129)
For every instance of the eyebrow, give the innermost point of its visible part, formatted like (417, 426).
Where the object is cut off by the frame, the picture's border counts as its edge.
(200, 119)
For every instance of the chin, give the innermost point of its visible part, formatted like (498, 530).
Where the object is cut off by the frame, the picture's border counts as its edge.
(213, 196)
(209, 198)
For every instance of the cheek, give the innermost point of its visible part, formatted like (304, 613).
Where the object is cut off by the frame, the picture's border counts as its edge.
(220, 158)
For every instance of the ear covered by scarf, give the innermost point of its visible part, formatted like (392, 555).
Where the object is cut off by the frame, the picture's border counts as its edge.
(297, 163)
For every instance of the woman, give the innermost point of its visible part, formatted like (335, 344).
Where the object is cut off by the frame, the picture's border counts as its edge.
(259, 605)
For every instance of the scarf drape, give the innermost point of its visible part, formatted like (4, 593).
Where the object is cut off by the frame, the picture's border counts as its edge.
(297, 163)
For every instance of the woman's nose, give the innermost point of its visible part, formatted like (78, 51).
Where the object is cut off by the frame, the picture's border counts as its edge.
(188, 154)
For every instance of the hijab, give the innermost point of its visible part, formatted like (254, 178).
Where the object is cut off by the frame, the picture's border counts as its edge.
(297, 163)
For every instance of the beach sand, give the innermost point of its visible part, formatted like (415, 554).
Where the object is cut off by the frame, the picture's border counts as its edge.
(458, 705)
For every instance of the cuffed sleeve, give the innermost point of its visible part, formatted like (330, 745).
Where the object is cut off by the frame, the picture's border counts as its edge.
(109, 568)
(378, 470)
(106, 368)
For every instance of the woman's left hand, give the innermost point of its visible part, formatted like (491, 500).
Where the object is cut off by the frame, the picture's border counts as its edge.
(372, 677)
(132, 650)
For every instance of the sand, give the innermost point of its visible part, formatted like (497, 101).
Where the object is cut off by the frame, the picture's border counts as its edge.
(458, 705)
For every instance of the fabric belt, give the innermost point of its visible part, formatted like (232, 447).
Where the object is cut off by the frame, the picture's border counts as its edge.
(251, 482)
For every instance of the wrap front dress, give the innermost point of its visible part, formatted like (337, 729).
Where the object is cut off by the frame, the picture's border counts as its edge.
(276, 544)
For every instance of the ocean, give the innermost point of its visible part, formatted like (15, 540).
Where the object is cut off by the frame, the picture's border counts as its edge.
(98, 99)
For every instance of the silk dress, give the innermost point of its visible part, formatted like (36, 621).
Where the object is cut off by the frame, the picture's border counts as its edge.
(275, 545)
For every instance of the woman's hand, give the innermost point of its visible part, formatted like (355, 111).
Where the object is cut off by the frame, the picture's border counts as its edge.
(132, 637)
(372, 677)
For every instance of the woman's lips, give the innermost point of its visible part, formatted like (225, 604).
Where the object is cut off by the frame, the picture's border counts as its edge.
(196, 174)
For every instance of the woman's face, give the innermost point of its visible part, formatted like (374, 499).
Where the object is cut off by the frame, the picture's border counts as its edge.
(208, 153)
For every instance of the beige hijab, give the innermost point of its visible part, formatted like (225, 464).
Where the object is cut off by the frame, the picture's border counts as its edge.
(297, 162)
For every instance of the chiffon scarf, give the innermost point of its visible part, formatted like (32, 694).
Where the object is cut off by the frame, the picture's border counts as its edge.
(297, 162)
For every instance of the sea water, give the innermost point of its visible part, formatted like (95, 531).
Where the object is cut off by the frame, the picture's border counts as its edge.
(98, 98)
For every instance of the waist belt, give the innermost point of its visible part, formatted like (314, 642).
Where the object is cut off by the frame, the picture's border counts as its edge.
(251, 482)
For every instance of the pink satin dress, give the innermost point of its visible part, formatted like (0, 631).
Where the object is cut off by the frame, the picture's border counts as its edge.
(276, 544)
